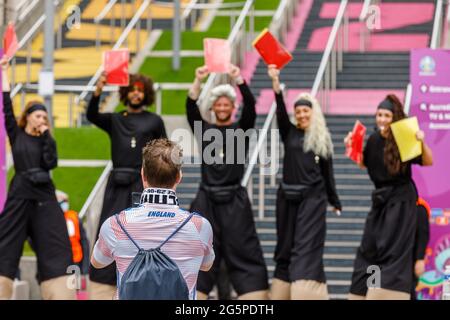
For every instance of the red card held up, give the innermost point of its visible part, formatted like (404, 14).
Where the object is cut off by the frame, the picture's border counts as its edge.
(217, 55)
(272, 51)
(10, 43)
(115, 65)
(355, 150)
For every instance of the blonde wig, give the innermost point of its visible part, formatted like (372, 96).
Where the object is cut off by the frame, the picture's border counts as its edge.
(317, 136)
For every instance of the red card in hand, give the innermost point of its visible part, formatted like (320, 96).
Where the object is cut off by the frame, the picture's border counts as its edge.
(10, 43)
(217, 55)
(115, 64)
(271, 50)
(355, 150)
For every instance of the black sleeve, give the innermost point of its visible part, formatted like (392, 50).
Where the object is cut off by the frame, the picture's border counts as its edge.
(330, 184)
(248, 117)
(193, 112)
(10, 120)
(101, 120)
(417, 160)
(366, 151)
(422, 233)
(284, 123)
(162, 129)
(49, 155)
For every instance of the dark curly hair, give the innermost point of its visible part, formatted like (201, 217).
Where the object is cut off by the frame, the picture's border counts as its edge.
(392, 158)
(149, 97)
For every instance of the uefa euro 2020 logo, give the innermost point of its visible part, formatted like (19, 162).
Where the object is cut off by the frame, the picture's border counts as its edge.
(427, 66)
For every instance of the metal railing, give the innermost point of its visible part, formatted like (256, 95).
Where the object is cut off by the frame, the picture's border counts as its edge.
(247, 180)
(279, 27)
(72, 90)
(18, 12)
(92, 208)
(436, 41)
(110, 8)
(364, 31)
(192, 12)
(96, 188)
(332, 58)
(436, 37)
(195, 10)
(27, 40)
(123, 36)
(98, 19)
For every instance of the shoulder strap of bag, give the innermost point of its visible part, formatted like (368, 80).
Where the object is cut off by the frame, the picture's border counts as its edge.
(126, 232)
(176, 230)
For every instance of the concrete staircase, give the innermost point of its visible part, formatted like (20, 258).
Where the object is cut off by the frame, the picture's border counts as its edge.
(383, 70)
(343, 233)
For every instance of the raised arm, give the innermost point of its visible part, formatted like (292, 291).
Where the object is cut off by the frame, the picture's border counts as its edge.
(10, 120)
(101, 120)
(49, 159)
(284, 123)
(192, 111)
(427, 154)
(248, 116)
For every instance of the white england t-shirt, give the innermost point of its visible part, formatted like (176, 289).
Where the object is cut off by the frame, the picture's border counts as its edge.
(149, 225)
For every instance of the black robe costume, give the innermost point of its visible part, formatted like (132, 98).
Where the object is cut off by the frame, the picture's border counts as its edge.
(31, 209)
(301, 219)
(390, 229)
(225, 203)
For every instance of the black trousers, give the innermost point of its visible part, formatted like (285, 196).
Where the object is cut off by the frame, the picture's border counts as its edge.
(235, 240)
(388, 243)
(116, 199)
(301, 231)
(43, 222)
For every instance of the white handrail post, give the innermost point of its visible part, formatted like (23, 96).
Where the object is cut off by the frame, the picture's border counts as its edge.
(273, 141)
(437, 25)
(408, 97)
(149, 20)
(70, 109)
(112, 23)
(261, 199)
(159, 100)
(22, 98)
(250, 189)
(330, 43)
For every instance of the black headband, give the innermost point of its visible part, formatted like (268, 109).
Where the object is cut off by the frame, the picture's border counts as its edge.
(36, 107)
(303, 102)
(386, 104)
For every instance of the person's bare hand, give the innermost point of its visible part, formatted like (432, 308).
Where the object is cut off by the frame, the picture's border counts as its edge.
(337, 211)
(101, 82)
(4, 63)
(273, 72)
(201, 73)
(348, 138)
(234, 72)
(42, 128)
(419, 268)
(420, 135)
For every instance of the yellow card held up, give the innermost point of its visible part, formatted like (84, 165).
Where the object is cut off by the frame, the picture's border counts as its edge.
(404, 132)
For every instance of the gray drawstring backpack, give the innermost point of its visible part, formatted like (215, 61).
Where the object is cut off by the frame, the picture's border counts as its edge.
(152, 275)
